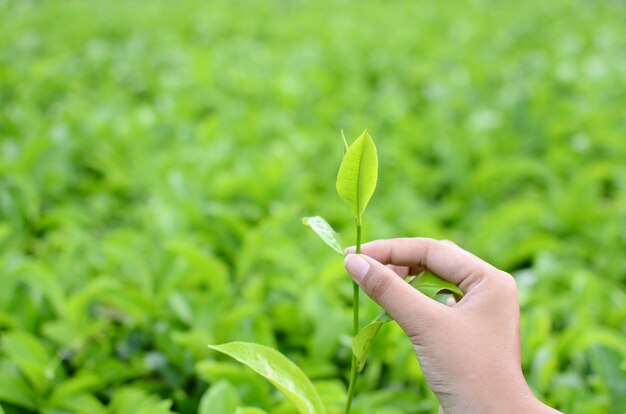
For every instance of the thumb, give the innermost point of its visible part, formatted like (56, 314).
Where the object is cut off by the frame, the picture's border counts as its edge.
(408, 306)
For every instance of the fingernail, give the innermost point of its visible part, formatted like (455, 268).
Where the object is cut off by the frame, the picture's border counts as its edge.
(349, 250)
(357, 266)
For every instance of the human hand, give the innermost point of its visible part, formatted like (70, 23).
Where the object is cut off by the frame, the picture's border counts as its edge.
(469, 351)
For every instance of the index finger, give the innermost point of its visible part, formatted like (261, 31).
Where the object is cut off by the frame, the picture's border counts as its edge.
(443, 258)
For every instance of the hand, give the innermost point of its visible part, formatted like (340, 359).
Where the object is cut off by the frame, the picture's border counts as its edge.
(469, 351)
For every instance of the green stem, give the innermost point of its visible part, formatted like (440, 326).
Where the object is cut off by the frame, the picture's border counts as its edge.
(355, 324)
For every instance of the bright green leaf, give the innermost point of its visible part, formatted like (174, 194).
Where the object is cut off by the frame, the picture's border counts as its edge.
(220, 398)
(362, 342)
(14, 389)
(279, 370)
(431, 285)
(358, 173)
(325, 231)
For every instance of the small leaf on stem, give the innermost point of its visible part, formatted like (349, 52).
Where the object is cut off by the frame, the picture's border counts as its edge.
(431, 285)
(362, 342)
(325, 231)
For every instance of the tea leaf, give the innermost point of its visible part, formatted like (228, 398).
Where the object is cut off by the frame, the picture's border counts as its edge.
(431, 285)
(279, 370)
(428, 284)
(362, 342)
(325, 231)
(358, 173)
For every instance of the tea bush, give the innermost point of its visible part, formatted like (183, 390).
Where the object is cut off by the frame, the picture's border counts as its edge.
(156, 158)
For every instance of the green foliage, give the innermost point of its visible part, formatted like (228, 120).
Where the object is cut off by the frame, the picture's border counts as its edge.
(362, 342)
(130, 400)
(357, 176)
(220, 398)
(325, 231)
(280, 371)
(431, 285)
(155, 160)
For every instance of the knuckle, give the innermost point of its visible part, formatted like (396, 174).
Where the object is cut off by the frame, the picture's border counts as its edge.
(448, 242)
(506, 284)
(378, 286)
(438, 325)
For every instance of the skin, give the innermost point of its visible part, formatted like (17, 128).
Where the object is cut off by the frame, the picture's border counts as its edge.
(469, 351)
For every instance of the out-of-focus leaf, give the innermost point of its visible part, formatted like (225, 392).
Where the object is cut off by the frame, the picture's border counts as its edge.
(180, 306)
(131, 400)
(544, 366)
(358, 173)
(279, 370)
(325, 231)
(250, 385)
(219, 398)
(362, 342)
(80, 383)
(612, 370)
(6, 320)
(431, 285)
(83, 403)
(15, 390)
(31, 357)
(203, 268)
(333, 394)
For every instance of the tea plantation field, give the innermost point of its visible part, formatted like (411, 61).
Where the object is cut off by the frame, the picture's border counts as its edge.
(156, 158)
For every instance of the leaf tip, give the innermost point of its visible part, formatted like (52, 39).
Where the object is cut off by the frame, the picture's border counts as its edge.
(344, 142)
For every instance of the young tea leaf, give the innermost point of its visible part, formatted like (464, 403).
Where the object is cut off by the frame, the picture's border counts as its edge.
(358, 173)
(279, 370)
(15, 388)
(325, 231)
(362, 342)
(428, 284)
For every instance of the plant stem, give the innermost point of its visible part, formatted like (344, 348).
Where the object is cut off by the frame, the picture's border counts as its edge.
(355, 324)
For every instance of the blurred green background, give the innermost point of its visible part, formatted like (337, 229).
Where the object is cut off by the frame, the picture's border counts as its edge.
(156, 158)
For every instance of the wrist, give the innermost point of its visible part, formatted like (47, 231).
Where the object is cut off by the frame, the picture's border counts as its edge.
(498, 395)
(514, 398)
